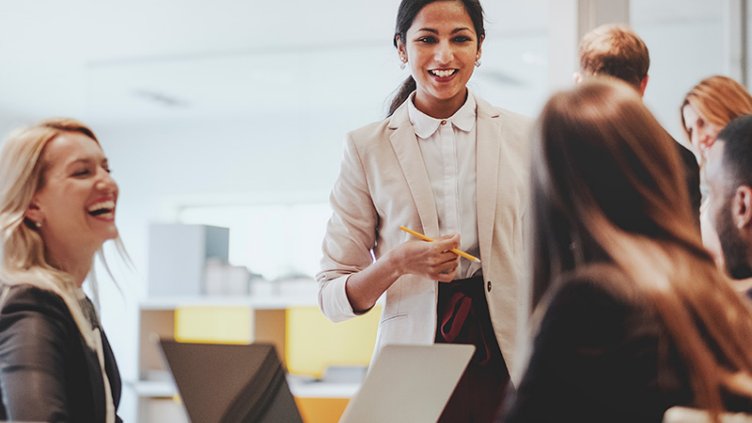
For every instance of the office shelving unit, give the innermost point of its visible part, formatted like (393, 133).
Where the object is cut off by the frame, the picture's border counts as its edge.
(155, 390)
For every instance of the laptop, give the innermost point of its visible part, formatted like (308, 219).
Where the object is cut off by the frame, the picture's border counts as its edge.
(231, 383)
(246, 383)
(408, 383)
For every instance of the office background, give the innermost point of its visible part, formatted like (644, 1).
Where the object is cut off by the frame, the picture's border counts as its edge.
(233, 113)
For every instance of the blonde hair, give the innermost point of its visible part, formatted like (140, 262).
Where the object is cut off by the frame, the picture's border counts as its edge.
(22, 175)
(718, 99)
(615, 50)
(607, 188)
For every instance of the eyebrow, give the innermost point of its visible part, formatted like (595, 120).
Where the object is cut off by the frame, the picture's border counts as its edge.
(86, 160)
(454, 31)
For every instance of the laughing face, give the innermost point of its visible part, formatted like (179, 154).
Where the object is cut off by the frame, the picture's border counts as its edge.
(75, 206)
(701, 132)
(441, 48)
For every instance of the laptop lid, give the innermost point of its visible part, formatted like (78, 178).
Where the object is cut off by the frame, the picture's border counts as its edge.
(409, 383)
(231, 383)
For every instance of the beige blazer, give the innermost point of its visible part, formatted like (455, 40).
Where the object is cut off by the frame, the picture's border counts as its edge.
(383, 184)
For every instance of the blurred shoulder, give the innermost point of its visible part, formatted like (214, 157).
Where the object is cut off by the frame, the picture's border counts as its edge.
(24, 298)
(597, 283)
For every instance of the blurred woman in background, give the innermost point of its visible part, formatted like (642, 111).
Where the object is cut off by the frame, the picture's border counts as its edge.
(707, 108)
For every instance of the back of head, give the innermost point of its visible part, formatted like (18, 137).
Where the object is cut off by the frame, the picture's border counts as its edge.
(617, 51)
(719, 99)
(21, 176)
(607, 187)
(604, 162)
(737, 154)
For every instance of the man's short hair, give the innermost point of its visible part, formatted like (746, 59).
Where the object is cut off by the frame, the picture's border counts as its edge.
(617, 51)
(737, 152)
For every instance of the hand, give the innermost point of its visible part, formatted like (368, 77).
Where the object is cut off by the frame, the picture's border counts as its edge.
(431, 259)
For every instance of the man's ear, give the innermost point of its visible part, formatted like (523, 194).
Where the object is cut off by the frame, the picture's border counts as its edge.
(644, 85)
(741, 207)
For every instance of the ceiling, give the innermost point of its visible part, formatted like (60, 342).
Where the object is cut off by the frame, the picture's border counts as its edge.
(157, 59)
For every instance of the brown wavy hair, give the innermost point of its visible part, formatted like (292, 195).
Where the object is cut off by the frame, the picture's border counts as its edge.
(607, 188)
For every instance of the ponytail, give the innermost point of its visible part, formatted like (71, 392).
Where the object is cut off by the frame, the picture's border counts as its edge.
(402, 94)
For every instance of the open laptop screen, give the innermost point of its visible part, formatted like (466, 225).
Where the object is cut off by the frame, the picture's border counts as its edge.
(231, 383)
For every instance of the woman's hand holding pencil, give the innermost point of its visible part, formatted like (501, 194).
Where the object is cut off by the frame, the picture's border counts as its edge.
(427, 239)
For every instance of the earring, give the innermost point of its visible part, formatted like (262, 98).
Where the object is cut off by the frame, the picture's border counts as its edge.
(38, 224)
(403, 62)
(402, 65)
(477, 63)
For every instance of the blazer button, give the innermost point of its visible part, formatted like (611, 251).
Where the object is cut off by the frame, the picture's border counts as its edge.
(489, 286)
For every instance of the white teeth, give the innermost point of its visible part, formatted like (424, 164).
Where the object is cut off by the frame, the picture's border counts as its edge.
(442, 73)
(102, 205)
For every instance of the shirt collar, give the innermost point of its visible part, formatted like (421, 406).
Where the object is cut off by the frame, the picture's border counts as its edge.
(425, 126)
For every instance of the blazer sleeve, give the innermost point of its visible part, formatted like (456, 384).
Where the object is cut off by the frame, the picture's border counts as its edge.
(350, 235)
(593, 360)
(32, 363)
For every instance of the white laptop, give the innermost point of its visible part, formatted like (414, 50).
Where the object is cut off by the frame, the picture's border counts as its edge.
(409, 383)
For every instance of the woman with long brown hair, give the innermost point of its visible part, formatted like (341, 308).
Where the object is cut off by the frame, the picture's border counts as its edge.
(632, 315)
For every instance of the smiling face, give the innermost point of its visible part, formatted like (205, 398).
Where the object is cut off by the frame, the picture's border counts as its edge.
(75, 204)
(441, 47)
(702, 133)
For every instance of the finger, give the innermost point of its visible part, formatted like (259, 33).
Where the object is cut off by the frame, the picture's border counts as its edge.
(447, 244)
(443, 277)
(446, 257)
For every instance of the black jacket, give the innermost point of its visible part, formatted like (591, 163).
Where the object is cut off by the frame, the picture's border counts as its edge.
(47, 372)
(692, 179)
(603, 355)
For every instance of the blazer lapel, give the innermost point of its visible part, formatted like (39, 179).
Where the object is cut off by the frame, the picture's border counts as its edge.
(405, 145)
(487, 173)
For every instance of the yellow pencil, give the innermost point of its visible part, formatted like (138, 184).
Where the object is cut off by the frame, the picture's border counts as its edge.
(427, 239)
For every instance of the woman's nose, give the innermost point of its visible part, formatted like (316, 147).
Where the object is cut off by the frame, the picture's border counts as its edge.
(444, 53)
(107, 183)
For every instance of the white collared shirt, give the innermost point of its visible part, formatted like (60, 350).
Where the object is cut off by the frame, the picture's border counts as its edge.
(448, 148)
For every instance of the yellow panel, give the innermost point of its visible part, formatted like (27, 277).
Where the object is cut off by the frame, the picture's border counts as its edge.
(225, 325)
(315, 343)
(321, 410)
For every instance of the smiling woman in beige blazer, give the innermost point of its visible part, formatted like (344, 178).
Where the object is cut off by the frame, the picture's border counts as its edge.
(449, 165)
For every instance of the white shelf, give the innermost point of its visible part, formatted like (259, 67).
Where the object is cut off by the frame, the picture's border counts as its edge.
(319, 389)
(154, 388)
(269, 302)
(301, 389)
